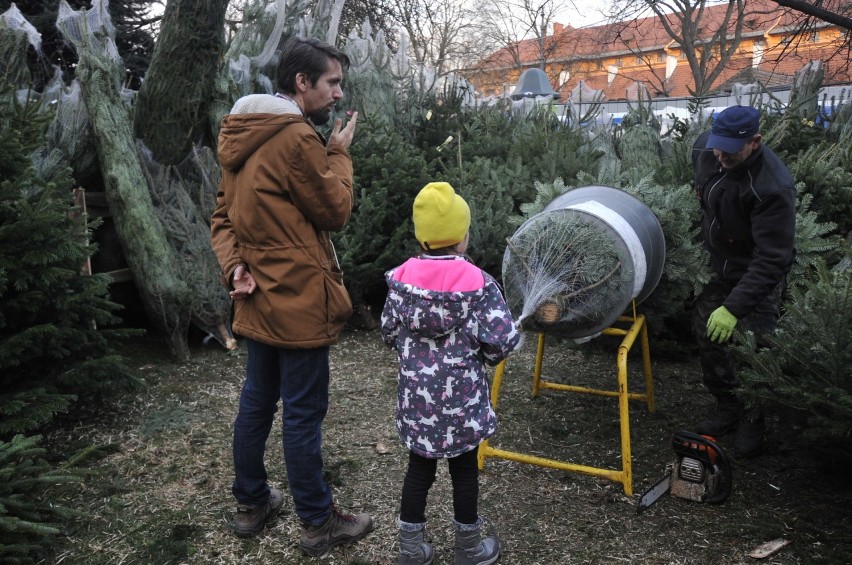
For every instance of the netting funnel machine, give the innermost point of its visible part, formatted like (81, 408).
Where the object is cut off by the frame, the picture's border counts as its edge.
(577, 270)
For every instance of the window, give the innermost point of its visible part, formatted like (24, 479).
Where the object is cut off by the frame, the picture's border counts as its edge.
(639, 60)
(661, 56)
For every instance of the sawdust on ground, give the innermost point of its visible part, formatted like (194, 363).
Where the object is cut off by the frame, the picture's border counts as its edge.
(162, 489)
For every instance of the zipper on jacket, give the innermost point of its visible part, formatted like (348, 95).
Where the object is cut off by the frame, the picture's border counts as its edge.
(709, 233)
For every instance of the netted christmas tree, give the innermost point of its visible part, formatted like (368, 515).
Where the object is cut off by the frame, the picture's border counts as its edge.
(565, 272)
(685, 269)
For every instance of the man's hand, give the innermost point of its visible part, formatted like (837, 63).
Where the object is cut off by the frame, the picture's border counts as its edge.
(243, 283)
(720, 325)
(342, 138)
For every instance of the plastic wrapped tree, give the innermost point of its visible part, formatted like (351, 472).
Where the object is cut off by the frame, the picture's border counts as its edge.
(574, 268)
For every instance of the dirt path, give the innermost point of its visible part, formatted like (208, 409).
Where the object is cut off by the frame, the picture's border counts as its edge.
(162, 494)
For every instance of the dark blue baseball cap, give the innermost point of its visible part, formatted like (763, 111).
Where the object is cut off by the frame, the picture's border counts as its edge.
(733, 127)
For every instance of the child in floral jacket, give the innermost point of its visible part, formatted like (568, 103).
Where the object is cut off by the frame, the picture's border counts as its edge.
(447, 319)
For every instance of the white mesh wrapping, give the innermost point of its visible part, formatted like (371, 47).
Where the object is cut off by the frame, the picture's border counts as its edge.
(567, 272)
(585, 94)
(13, 20)
(90, 28)
(627, 235)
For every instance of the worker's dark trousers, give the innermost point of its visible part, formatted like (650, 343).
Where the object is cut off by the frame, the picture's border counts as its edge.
(717, 365)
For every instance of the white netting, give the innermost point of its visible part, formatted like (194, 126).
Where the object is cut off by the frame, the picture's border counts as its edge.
(254, 48)
(90, 29)
(739, 89)
(69, 137)
(400, 65)
(13, 20)
(526, 105)
(336, 11)
(324, 22)
(17, 36)
(638, 91)
(370, 84)
(583, 94)
(367, 52)
(184, 225)
(567, 272)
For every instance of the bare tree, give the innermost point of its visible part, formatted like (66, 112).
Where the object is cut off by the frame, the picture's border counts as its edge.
(523, 33)
(832, 12)
(709, 33)
(441, 33)
(707, 38)
(507, 23)
(809, 19)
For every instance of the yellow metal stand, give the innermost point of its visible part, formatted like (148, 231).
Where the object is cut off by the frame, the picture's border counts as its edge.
(637, 328)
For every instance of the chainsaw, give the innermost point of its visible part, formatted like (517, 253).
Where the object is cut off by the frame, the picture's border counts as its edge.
(700, 473)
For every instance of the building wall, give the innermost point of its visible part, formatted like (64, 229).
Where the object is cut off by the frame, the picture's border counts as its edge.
(770, 52)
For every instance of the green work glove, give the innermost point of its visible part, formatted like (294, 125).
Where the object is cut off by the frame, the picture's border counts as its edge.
(720, 325)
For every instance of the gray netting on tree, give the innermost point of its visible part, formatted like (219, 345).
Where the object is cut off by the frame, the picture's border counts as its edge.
(584, 103)
(156, 269)
(203, 167)
(740, 90)
(90, 28)
(188, 234)
(323, 22)
(638, 91)
(254, 48)
(585, 94)
(529, 104)
(568, 273)
(371, 81)
(248, 66)
(17, 35)
(69, 140)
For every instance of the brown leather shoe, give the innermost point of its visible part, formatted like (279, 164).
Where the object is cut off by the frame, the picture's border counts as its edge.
(338, 529)
(250, 520)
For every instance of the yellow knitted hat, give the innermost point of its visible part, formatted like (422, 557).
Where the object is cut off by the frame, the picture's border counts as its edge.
(441, 217)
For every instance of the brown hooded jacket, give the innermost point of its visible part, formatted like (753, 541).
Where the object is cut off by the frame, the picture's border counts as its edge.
(281, 192)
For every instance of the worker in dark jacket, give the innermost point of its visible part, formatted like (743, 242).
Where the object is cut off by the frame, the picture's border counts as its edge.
(748, 205)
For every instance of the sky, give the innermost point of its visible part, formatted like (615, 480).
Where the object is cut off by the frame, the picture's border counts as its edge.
(588, 12)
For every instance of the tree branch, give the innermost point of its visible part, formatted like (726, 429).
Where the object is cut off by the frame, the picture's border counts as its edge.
(817, 12)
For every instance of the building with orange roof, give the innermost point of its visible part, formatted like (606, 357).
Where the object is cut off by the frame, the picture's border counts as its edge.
(639, 58)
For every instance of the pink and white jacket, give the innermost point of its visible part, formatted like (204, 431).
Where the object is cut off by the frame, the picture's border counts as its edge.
(447, 319)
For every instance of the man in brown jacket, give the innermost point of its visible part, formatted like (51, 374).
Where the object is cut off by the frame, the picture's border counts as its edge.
(283, 190)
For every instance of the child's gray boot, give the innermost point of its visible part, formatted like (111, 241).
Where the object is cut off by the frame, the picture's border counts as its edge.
(471, 548)
(413, 549)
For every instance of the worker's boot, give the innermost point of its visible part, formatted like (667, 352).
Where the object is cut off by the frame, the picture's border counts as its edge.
(413, 549)
(724, 418)
(749, 439)
(471, 548)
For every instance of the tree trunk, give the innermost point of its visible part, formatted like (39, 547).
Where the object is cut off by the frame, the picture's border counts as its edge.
(171, 109)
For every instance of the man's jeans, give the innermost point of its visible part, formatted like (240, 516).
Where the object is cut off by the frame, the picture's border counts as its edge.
(300, 378)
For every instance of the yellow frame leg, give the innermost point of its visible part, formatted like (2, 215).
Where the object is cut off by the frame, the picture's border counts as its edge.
(637, 328)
